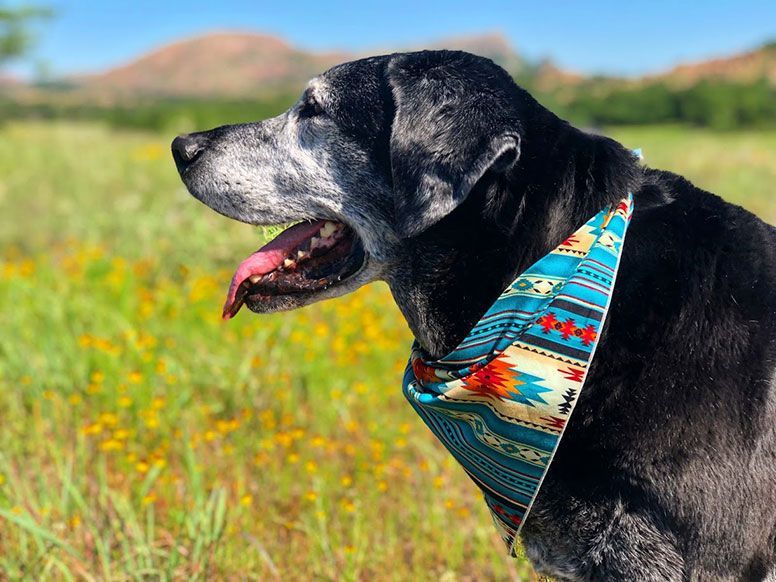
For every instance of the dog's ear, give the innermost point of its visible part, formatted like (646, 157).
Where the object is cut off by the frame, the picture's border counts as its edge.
(453, 122)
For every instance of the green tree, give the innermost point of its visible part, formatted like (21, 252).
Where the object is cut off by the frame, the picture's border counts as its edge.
(16, 37)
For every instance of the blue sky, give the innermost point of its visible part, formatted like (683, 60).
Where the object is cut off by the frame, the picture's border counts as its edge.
(616, 37)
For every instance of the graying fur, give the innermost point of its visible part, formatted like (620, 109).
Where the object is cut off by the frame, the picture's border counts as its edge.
(280, 170)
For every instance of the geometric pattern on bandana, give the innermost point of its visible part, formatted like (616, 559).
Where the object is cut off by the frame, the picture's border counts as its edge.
(501, 400)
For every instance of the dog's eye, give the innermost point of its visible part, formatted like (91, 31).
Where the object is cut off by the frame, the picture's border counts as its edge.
(310, 108)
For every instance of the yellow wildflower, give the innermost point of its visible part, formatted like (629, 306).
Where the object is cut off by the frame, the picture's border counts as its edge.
(92, 429)
(111, 445)
(109, 419)
(284, 439)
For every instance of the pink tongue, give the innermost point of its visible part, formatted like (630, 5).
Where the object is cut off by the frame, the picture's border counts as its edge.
(270, 257)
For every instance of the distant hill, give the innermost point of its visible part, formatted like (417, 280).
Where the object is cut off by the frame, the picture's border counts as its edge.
(219, 64)
(239, 64)
(742, 68)
(8, 80)
(245, 64)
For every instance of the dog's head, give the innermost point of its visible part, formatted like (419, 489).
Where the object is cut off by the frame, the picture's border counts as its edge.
(375, 153)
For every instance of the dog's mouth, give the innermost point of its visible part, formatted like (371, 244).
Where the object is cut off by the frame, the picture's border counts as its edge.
(308, 257)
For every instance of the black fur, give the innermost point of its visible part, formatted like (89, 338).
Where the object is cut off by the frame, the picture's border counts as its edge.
(667, 470)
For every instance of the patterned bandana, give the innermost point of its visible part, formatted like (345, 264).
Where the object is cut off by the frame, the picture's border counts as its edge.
(500, 401)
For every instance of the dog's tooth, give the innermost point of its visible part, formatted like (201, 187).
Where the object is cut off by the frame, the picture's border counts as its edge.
(314, 242)
(328, 229)
(254, 278)
(301, 254)
(287, 263)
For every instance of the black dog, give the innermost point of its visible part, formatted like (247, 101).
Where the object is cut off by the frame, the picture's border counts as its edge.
(435, 172)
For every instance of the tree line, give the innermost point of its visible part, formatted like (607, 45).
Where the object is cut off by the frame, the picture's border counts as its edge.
(719, 105)
(716, 104)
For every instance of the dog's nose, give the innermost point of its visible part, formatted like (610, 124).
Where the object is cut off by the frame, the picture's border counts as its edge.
(186, 148)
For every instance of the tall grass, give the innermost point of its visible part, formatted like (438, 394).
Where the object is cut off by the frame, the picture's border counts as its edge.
(142, 438)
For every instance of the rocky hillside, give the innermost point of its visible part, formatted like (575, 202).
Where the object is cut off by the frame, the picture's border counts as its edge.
(743, 68)
(233, 64)
(223, 64)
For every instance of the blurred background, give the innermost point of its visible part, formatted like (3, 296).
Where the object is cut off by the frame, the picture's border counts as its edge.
(142, 438)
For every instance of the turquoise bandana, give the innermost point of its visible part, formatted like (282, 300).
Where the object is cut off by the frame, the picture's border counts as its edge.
(501, 400)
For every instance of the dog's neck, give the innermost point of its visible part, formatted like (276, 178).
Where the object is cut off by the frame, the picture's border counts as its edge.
(455, 271)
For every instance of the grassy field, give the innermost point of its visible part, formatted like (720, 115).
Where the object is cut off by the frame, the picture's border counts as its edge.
(142, 438)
